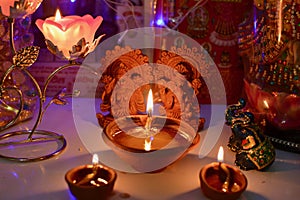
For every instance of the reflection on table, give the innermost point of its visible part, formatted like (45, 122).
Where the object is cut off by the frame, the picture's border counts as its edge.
(45, 179)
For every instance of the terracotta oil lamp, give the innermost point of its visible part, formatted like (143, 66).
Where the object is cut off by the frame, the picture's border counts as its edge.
(150, 143)
(222, 181)
(91, 181)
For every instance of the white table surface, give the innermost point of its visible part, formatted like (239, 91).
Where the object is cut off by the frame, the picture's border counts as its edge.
(45, 179)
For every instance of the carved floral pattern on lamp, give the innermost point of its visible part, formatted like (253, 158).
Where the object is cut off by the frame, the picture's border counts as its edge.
(70, 37)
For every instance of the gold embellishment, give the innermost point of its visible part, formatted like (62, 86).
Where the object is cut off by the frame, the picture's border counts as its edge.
(262, 155)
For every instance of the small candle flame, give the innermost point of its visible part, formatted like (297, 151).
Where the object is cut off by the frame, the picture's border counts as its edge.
(89, 178)
(57, 15)
(149, 112)
(148, 142)
(150, 103)
(266, 104)
(95, 159)
(222, 166)
(279, 20)
(221, 154)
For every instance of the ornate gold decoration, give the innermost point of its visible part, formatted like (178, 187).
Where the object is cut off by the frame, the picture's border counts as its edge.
(270, 46)
(13, 99)
(22, 8)
(26, 56)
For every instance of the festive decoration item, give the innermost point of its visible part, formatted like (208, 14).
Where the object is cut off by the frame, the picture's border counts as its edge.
(91, 181)
(175, 83)
(176, 102)
(72, 36)
(10, 101)
(19, 8)
(157, 140)
(167, 141)
(269, 42)
(222, 181)
(11, 13)
(38, 144)
(214, 25)
(253, 149)
(15, 105)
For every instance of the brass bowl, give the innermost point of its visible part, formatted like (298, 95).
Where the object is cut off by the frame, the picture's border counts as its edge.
(171, 140)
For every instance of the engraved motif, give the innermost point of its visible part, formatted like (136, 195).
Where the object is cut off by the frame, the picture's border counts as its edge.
(179, 106)
(26, 56)
(129, 76)
(120, 61)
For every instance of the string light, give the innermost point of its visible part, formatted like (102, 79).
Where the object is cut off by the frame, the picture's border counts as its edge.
(177, 20)
(160, 22)
(126, 3)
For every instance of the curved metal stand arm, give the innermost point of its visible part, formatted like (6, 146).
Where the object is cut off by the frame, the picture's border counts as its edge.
(11, 22)
(8, 107)
(6, 74)
(71, 64)
(42, 93)
(40, 102)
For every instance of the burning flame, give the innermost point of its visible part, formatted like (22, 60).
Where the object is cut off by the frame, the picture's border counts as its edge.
(148, 143)
(279, 20)
(149, 112)
(57, 15)
(95, 159)
(150, 103)
(221, 154)
(266, 104)
(149, 139)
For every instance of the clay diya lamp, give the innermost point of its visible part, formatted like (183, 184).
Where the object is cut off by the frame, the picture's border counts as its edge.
(220, 181)
(150, 143)
(154, 153)
(91, 181)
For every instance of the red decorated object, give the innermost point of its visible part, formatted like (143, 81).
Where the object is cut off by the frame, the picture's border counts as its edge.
(214, 25)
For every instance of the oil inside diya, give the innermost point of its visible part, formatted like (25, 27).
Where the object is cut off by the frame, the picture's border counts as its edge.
(214, 180)
(167, 141)
(91, 181)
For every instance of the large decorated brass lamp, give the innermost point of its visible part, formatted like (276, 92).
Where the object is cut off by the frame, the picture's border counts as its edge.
(269, 42)
(70, 38)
